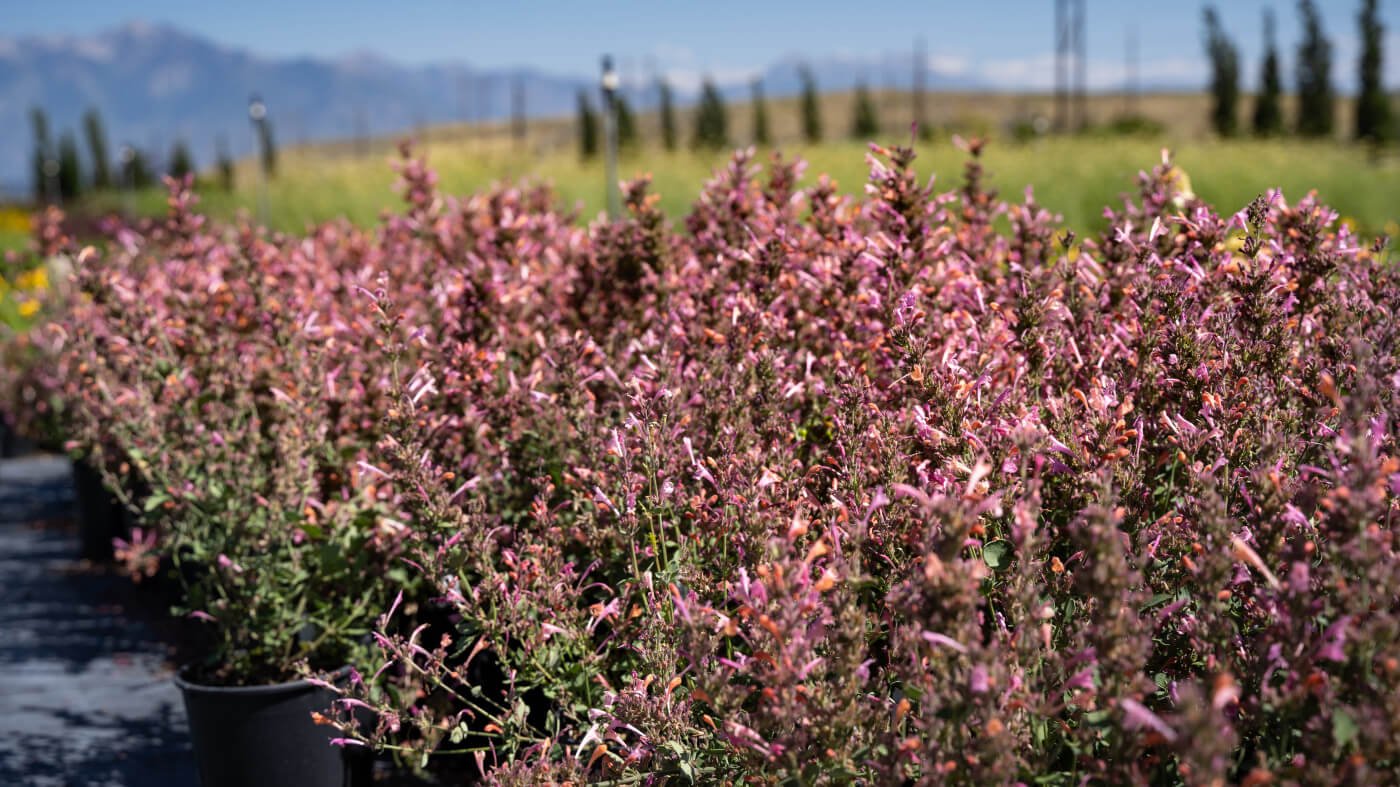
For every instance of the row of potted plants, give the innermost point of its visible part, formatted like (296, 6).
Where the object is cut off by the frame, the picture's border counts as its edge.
(912, 488)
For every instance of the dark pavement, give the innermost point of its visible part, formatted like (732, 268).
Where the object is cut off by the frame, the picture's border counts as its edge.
(85, 691)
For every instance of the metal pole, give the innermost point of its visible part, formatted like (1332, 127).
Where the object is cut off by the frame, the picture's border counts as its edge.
(609, 84)
(128, 159)
(1081, 66)
(920, 67)
(257, 113)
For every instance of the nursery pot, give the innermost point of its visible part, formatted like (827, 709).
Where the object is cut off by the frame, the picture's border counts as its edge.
(263, 736)
(100, 515)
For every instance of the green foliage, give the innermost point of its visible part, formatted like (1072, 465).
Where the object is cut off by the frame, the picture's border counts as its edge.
(224, 165)
(1224, 76)
(43, 152)
(70, 172)
(181, 162)
(811, 107)
(97, 149)
(1268, 112)
(864, 123)
(667, 110)
(587, 127)
(1372, 104)
(711, 122)
(1314, 72)
(136, 171)
(761, 134)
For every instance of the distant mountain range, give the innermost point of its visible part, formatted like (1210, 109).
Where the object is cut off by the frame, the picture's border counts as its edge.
(154, 84)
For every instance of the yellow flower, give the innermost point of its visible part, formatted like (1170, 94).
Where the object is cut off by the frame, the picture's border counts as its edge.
(36, 280)
(28, 307)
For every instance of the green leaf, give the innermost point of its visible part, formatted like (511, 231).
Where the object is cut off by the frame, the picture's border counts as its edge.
(997, 554)
(155, 501)
(1344, 728)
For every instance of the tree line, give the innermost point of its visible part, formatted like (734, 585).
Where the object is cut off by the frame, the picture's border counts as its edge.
(60, 173)
(1316, 112)
(711, 117)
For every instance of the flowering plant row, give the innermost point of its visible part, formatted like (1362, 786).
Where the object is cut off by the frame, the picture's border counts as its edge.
(912, 488)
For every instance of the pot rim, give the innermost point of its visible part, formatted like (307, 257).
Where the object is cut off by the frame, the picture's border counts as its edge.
(183, 683)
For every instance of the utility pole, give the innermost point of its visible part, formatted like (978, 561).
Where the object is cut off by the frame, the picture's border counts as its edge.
(128, 179)
(920, 70)
(1081, 63)
(1071, 65)
(1062, 36)
(517, 111)
(1130, 86)
(609, 85)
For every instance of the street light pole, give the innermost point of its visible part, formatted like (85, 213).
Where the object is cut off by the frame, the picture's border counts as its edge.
(257, 114)
(609, 84)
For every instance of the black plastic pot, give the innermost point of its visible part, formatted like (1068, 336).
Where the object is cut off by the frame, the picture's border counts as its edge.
(261, 736)
(101, 517)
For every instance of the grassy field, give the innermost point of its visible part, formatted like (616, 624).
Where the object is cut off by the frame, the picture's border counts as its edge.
(1075, 176)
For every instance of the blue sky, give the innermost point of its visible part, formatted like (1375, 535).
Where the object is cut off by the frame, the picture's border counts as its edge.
(1004, 42)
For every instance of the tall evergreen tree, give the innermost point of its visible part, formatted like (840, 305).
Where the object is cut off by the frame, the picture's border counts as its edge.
(667, 109)
(136, 170)
(97, 150)
(626, 124)
(761, 134)
(811, 107)
(43, 153)
(711, 121)
(1268, 109)
(181, 162)
(1224, 76)
(864, 124)
(1315, 104)
(587, 127)
(1372, 104)
(70, 171)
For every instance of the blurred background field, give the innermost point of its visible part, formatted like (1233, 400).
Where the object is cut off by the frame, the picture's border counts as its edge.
(1073, 175)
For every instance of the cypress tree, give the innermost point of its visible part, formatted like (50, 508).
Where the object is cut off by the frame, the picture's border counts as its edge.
(1372, 104)
(761, 135)
(587, 127)
(626, 124)
(1315, 106)
(43, 152)
(70, 172)
(811, 107)
(711, 123)
(181, 162)
(864, 125)
(1224, 75)
(1268, 112)
(668, 116)
(137, 171)
(97, 149)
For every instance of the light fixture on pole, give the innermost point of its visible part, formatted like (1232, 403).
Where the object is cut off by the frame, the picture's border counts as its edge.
(609, 85)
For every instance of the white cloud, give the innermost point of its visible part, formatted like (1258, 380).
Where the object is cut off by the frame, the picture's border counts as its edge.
(1038, 73)
(688, 80)
(948, 65)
